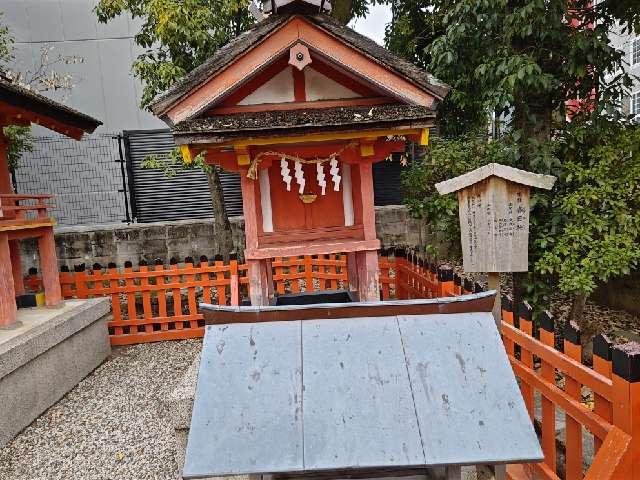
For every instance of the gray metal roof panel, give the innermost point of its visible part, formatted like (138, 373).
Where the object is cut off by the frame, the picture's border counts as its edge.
(382, 392)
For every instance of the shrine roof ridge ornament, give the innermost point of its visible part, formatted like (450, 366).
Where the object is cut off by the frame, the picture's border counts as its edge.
(511, 174)
(240, 45)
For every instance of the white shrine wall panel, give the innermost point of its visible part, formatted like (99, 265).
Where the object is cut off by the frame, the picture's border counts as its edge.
(278, 89)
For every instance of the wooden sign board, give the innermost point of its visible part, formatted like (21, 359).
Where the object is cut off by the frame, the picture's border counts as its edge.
(494, 226)
(493, 205)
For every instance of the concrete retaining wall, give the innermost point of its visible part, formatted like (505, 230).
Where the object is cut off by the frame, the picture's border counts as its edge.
(46, 357)
(119, 243)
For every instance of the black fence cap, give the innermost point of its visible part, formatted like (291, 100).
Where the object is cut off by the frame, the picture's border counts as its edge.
(400, 252)
(143, 263)
(477, 288)
(233, 256)
(128, 264)
(547, 321)
(445, 273)
(217, 257)
(421, 263)
(602, 346)
(525, 311)
(626, 361)
(468, 285)
(188, 259)
(96, 266)
(79, 268)
(34, 271)
(63, 268)
(572, 332)
(111, 265)
(173, 261)
(507, 303)
(457, 279)
(433, 267)
(158, 262)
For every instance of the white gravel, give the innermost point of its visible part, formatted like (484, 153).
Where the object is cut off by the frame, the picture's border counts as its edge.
(111, 426)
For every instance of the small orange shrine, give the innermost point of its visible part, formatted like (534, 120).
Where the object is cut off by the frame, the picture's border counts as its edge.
(302, 106)
(26, 216)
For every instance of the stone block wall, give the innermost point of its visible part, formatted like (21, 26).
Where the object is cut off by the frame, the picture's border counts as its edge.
(119, 242)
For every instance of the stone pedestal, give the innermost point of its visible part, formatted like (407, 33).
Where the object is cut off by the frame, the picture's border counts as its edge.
(46, 356)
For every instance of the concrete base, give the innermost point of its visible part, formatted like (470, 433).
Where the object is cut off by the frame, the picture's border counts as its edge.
(46, 357)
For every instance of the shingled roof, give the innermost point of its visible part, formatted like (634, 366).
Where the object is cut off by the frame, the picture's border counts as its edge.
(22, 98)
(221, 128)
(244, 42)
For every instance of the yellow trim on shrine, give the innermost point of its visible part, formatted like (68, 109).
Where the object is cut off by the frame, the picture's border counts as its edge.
(26, 226)
(187, 157)
(424, 137)
(321, 137)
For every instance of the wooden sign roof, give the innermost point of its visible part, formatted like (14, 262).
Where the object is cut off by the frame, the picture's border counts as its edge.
(390, 392)
(511, 174)
(297, 62)
(20, 106)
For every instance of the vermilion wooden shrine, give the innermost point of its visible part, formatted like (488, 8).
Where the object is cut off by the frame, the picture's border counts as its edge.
(302, 106)
(26, 216)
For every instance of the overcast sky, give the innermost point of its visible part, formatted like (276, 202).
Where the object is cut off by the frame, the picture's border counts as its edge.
(373, 25)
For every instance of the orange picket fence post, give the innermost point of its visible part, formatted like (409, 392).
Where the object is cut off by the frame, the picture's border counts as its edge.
(560, 381)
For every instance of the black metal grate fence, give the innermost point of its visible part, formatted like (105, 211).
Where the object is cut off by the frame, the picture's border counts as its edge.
(84, 176)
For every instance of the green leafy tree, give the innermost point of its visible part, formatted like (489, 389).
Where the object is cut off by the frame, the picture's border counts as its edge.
(525, 59)
(589, 228)
(415, 25)
(177, 36)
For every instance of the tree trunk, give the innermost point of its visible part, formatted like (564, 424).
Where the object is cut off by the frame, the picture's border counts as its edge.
(587, 332)
(220, 218)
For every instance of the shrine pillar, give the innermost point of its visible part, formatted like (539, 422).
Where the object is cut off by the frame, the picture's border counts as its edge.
(8, 308)
(49, 267)
(16, 266)
(362, 266)
(259, 270)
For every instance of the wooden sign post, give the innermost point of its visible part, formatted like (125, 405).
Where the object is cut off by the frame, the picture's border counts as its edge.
(493, 204)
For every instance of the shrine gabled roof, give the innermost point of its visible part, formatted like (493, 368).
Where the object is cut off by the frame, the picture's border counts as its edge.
(24, 100)
(244, 42)
(267, 123)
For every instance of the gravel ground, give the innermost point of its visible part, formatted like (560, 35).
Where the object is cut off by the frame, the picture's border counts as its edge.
(111, 426)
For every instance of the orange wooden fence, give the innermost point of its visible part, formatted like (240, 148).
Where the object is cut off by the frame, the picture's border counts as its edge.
(160, 303)
(603, 400)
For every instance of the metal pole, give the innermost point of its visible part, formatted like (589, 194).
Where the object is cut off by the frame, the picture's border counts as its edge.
(124, 180)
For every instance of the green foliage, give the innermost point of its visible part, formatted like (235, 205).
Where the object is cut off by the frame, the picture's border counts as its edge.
(415, 25)
(590, 230)
(20, 141)
(6, 45)
(527, 58)
(172, 162)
